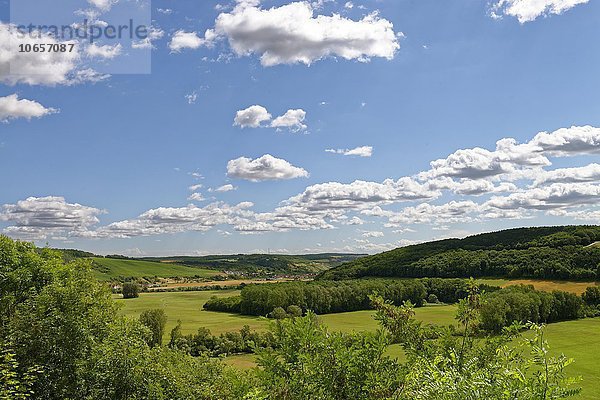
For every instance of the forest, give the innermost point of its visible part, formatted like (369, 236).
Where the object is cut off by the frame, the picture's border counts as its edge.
(562, 252)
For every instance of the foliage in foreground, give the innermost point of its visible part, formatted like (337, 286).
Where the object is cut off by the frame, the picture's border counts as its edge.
(311, 362)
(61, 338)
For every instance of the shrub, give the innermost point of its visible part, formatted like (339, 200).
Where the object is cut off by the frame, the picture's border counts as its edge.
(131, 290)
(294, 311)
(432, 298)
(591, 296)
(278, 313)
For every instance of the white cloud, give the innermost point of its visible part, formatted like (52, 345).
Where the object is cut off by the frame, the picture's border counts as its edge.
(529, 10)
(103, 5)
(470, 187)
(166, 220)
(360, 194)
(373, 234)
(41, 217)
(353, 221)
(196, 197)
(293, 34)
(569, 141)
(225, 188)
(105, 51)
(166, 11)
(191, 97)
(193, 188)
(467, 163)
(54, 68)
(251, 117)
(154, 33)
(11, 107)
(588, 173)
(292, 119)
(556, 195)
(362, 151)
(257, 116)
(452, 212)
(263, 168)
(186, 40)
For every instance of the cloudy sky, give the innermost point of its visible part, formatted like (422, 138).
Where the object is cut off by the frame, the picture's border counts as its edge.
(302, 126)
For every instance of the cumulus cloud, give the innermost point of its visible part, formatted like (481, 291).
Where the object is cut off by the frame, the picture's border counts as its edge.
(54, 68)
(103, 5)
(452, 212)
(292, 33)
(589, 173)
(257, 116)
(42, 217)
(196, 197)
(263, 168)
(568, 141)
(251, 117)
(186, 40)
(225, 188)
(106, 51)
(467, 163)
(360, 194)
(510, 157)
(292, 119)
(529, 10)
(166, 220)
(556, 195)
(373, 234)
(154, 34)
(470, 187)
(11, 107)
(362, 151)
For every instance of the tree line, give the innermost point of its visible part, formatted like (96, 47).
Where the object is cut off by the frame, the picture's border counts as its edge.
(502, 307)
(324, 297)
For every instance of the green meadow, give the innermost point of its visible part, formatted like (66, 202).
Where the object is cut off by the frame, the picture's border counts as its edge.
(187, 307)
(111, 268)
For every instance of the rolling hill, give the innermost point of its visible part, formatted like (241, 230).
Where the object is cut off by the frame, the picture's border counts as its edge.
(263, 263)
(558, 252)
(107, 269)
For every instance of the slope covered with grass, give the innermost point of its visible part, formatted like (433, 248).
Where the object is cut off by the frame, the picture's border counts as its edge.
(112, 268)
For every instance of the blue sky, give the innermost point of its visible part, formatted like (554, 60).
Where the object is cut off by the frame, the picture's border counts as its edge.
(104, 161)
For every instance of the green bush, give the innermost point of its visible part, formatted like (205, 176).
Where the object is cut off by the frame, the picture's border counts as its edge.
(130, 290)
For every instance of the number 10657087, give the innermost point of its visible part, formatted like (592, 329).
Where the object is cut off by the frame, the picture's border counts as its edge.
(46, 47)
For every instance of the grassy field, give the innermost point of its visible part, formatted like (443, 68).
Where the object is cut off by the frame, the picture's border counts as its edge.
(579, 340)
(187, 307)
(363, 320)
(110, 268)
(548, 286)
